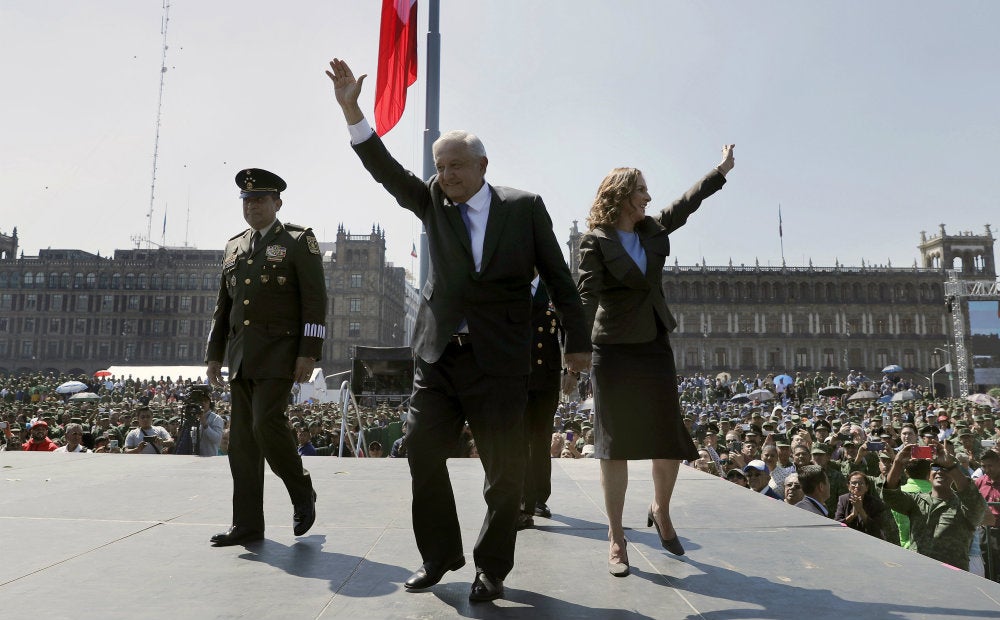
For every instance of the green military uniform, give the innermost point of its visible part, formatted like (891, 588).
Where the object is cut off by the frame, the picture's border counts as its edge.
(271, 309)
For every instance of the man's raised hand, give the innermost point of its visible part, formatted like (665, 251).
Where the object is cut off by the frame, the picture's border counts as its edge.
(347, 89)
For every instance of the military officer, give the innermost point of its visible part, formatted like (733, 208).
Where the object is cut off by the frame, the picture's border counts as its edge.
(543, 397)
(270, 323)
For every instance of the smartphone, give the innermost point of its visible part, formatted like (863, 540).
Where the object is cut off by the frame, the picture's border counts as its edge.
(922, 452)
(113, 444)
(988, 443)
(3, 426)
(875, 446)
(744, 427)
(843, 436)
(569, 435)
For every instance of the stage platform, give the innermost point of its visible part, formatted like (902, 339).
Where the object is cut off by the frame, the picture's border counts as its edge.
(123, 536)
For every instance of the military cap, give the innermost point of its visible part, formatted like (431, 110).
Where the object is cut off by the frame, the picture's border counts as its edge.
(822, 448)
(256, 181)
(822, 424)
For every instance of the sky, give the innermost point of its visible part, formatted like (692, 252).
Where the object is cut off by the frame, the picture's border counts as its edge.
(866, 122)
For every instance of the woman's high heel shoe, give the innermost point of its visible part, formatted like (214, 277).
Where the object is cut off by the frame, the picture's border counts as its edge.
(619, 567)
(672, 545)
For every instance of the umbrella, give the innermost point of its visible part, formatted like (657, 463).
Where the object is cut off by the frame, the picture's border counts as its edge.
(102, 373)
(71, 387)
(886, 399)
(983, 399)
(739, 398)
(84, 397)
(724, 376)
(783, 379)
(863, 395)
(905, 395)
(761, 395)
(832, 390)
(892, 369)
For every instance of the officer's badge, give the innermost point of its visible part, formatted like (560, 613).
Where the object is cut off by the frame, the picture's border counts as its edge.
(229, 261)
(313, 244)
(232, 281)
(282, 280)
(264, 278)
(276, 253)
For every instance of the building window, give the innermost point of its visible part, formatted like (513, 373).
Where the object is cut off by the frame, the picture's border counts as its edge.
(354, 330)
(909, 359)
(159, 303)
(4, 325)
(143, 281)
(104, 350)
(91, 280)
(107, 303)
(30, 302)
(691, 358)
(829, 359)
(356, 280)
(747, 357)
(185, 303)
(906, 327)
(116, 281)
(129, 281)
(29, 325)
(107, 327)
(82, 303)
(77, 350)
(27, 348)
(130, 352)
(6, 301)
(183, 351)
(721, 358)
(133, 302)
(3, 347)
(54, 326)
(184, 327)
(801, 358)
(156, 281)
(156, 350)
(826, 327)
(80, 326)
(29, 279)
(208, 282)
(158, 327)
(56, 303)
(355, 304)
(52, 350)
(78, 280)
(882, 358)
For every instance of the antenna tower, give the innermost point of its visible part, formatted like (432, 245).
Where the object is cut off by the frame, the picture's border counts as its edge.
(159, 109)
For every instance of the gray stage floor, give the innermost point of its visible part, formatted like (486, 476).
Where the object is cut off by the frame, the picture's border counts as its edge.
(121, 536)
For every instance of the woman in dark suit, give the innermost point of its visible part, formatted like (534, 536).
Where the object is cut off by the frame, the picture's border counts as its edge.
(634, 377)
(860, 510)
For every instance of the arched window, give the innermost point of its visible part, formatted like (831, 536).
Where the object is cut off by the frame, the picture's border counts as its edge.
(129, 281)
(156, 282)
(78, 280)
(29, 281)
(66, 280)
(39, 279)
(91, 280)
(143, 282)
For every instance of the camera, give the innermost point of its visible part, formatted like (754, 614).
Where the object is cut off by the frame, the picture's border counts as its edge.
(922, 452)
(988, 443)
(875, 446)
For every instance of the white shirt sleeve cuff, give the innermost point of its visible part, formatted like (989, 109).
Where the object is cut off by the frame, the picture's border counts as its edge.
(360, 131)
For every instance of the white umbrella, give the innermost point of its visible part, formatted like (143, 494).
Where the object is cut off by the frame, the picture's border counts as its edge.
(71, 387)
(761, 395)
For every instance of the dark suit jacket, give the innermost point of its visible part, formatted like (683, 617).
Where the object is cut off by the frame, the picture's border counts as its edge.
(872, 505)
(805, 504)
(621, 302)
(272, 304)
(496, 302)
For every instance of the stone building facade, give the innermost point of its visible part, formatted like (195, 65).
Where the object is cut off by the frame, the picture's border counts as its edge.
(73, 311)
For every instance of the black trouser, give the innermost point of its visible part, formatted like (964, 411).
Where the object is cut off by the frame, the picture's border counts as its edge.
(989, 547)
(446, 394)
(259, 431)
(538, 415)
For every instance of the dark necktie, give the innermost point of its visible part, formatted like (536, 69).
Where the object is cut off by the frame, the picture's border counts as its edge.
(463, 209)
(254, 240)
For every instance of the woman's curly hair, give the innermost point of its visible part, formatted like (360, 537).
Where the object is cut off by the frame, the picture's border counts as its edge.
(611, 195)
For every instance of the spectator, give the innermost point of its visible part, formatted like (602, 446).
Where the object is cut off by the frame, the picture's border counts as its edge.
(860, 510)
(793, 489)
(39, 441)
(989, 487)
(816, 487)
(758, 476)
(74, 435)
(147, 439)
(943, 521)
(306, 448)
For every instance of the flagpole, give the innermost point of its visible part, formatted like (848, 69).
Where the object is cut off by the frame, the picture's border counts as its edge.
(781, 236)
(432, 125)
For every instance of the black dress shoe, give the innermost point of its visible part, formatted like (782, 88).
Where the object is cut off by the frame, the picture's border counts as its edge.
(541, 510)
(485, 588)
(431, 573)
(673, 545)
(304, 516)
(236, 535)
(524, 521)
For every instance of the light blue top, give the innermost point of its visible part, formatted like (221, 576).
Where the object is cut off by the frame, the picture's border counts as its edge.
(630, 240)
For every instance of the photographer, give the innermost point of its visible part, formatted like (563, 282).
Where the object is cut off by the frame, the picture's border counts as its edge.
(201, 428)
(147, 439)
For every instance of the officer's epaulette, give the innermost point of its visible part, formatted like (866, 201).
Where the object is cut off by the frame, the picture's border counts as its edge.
(294, 227)
(239, 234)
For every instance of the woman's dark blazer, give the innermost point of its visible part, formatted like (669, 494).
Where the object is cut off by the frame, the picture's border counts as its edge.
(620, 302)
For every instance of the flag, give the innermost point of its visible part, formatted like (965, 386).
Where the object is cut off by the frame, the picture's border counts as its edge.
(779, 223)
(397, 61)
(413, 252)
(164, 222)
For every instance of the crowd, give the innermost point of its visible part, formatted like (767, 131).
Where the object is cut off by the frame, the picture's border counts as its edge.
(779, 447)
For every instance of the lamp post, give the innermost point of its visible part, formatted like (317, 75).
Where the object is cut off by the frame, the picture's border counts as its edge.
(947, 367)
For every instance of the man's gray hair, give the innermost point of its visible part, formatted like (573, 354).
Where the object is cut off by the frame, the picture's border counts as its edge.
(471, 141)
(72, 426)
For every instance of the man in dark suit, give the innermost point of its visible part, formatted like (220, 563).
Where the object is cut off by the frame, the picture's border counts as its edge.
(472, 337)
(816, 486)
(271, 316)
(544, 384)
